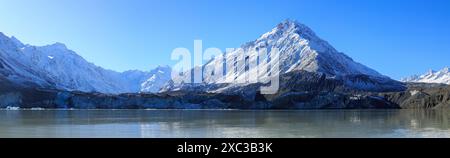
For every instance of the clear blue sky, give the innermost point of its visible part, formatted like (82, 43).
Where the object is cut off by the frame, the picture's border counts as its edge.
(396, 37)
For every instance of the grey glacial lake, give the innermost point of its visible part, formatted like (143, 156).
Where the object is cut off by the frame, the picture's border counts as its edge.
(223, 123)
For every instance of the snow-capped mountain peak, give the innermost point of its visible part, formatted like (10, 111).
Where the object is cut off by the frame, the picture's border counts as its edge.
(160, 76)
(17, 42)
(295, 30)
(441, 76)
(445, 70)
(302, 49)
(299, 49)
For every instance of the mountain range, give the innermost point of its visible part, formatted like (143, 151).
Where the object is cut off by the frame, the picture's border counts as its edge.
(441, 76)
(56, 66)
(312, 75)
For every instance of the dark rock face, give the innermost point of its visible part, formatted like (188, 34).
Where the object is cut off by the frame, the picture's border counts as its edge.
(422, 96)
(66, 100)
(305, 90)
(326, 100)
(12, 95)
